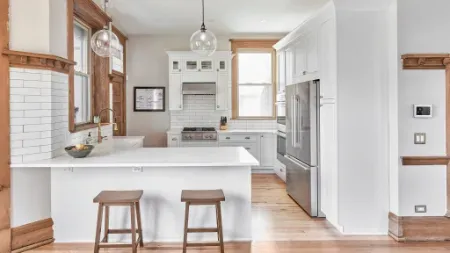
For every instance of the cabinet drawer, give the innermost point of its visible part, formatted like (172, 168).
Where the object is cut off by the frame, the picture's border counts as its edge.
(252, 148)
(238, 137)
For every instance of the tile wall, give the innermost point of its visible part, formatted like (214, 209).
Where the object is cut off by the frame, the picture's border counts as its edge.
(39, 115)
(199, 110)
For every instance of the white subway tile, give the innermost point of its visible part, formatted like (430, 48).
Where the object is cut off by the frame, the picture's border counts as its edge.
(46, 78)
(16, 83)
(58, 99)
(16, 129)
(37, 142)
(16, 98)
(16, 144)
(46, 92)
(16, 114)
(25, 91)
(25, 151)
(24, 106)
(16, 159)
(46, 134)
(38, 99)
(38, 113)
(16, 70)
(59, 92)
(24, 121)
(37, 84)
(37, 157)
(24, 76)
(37, 128)
(37, 71)
(25, 136)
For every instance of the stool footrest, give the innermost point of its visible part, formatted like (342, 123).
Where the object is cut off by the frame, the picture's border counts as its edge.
(121, 231)
(200, 244)
(114, 245)
(202, 230)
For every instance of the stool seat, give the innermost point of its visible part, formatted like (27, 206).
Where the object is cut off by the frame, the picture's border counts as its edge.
(202, 196)
(118, 197)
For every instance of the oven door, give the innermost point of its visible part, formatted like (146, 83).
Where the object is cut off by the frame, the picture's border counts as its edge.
(281, 147)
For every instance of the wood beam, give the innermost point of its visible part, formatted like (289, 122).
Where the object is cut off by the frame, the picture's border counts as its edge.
(38, 61)
(424, 61)
(5, 173)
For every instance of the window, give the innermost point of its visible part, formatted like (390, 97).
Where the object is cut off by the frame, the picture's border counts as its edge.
(253, 79)
(82, 82)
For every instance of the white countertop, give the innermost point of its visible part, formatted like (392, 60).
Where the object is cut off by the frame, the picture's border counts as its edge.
(119, 153)
(256, 131)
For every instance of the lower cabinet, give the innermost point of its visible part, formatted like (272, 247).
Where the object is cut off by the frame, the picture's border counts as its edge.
(173, 140)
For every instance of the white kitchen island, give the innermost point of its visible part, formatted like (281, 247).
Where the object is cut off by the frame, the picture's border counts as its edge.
(162, 173)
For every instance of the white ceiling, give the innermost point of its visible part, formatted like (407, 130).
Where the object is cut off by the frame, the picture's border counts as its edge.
(223, 17)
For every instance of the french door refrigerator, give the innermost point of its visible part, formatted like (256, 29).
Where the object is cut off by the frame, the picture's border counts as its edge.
(302, 145)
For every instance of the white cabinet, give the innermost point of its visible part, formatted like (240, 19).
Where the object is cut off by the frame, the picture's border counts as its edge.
(289, 66)
(268, 151)
(175, 94)
(175, 65)
(280, 170)
(302, 62)
(327, 59)
(173, 140)
(300, 58)
(193, 65)
(206, 65)
(281, 71)
(222, 91)
(222, 65)
(312, 64)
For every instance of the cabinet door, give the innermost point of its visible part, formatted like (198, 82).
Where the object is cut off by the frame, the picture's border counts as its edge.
(173, 141)
(289, 66)
(175, 96)
(222, 91)
(327, 59)
(300, 55)
(281, 72)
(206, 65)
(268, 150)
(191, 65)
(222, 65)
(175, 65)
(312, 64)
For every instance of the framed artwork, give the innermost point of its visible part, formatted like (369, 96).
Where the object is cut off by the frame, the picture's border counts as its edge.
(149, 99)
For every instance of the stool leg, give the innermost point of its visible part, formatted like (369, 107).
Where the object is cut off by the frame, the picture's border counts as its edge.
(105, 239)
(217, 223)
(186, 224)
(219, 211)
(99, 227)
(133, 228)
(139, 224)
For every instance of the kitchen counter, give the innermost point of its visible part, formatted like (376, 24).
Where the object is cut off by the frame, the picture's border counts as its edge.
(178, 131)
(162, 173)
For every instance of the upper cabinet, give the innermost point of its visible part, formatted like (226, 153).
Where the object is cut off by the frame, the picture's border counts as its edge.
(281, 71)
(192, 65)
(305, 57)
(175, 65)
(222, 65)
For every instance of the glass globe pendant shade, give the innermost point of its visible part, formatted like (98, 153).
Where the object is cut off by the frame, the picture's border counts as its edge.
(203, 42)
(105, 43)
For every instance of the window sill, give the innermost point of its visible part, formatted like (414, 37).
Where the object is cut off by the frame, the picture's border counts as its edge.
(82, 127)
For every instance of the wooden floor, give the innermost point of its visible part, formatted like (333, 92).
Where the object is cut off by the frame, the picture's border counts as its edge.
(280, 226)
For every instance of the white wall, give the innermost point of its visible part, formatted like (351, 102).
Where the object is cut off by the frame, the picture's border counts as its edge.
(419, 32)
(362, 122)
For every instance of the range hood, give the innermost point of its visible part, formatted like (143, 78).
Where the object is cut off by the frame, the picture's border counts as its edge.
(199, 88)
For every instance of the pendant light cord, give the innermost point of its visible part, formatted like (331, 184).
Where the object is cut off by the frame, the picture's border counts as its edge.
(203, 27)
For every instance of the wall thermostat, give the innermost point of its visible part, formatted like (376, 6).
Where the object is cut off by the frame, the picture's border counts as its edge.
(423, 111)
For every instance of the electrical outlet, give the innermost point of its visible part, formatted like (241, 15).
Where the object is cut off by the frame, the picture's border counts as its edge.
(137, 169)
(420, 208)
(420, 138)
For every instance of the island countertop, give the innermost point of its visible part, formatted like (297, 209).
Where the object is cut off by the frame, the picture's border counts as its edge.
(115, 153)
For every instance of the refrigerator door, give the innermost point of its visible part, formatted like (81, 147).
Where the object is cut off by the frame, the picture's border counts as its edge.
(302, 184)
(302, 103)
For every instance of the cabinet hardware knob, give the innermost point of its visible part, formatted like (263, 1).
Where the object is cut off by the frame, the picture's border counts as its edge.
(174, 139)
(179, 70)
(304, 72)
(199, 70)
(218, 106)
(247, 148)
(227, 138)
(179, 106)
(247, 138)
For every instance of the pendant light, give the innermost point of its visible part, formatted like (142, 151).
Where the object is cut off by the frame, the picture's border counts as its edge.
(104, 42)
(203, 42)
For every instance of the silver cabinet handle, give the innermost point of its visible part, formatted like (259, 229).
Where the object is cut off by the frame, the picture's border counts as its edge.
(247, 138)
(174, 139)
(247, 148)
(228, 138)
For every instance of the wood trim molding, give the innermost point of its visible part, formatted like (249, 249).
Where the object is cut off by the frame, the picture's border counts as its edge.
(116, 77)
(32, 234)
(122, 37)
(70, 56)
(91, 13)
(409, 228)
(5, 170)
(425, 160)
(236, 45)
(38, 61)
(424, 61)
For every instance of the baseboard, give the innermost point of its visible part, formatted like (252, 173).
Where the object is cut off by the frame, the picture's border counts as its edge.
(419, 229)
(260, 170)
(32, 235)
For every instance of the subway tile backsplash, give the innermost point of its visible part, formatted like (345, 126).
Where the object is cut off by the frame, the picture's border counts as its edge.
(199, 110)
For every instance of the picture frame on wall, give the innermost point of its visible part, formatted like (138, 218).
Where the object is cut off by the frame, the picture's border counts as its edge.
(149, 99)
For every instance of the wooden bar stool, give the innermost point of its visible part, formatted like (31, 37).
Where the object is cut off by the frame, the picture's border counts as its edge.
(205, 197)
(107, 199)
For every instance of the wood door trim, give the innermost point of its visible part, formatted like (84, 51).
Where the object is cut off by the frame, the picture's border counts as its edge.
(90, 13)
(38, 61)
(5, 170)
(32, 235)
(425, 160)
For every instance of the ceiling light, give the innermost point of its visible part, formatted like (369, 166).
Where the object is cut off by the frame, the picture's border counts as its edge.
(104, 42)
(203, 42)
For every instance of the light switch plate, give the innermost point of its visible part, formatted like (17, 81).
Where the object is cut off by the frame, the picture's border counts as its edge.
(420, 208)
(420, 138)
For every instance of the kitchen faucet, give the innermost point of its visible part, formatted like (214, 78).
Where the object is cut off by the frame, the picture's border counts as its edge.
(99, 126)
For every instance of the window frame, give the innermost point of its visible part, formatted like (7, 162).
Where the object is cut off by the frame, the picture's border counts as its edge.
(256, 46)
(90, 70)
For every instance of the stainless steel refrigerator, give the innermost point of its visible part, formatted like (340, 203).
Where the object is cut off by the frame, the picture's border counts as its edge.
(302, 145)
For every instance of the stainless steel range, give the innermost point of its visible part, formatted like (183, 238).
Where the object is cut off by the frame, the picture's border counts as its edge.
(199, 134)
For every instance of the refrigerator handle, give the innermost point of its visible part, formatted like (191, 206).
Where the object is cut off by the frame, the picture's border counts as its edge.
(293, 160)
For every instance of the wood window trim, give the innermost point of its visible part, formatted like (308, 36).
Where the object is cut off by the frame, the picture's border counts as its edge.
(263, 45)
